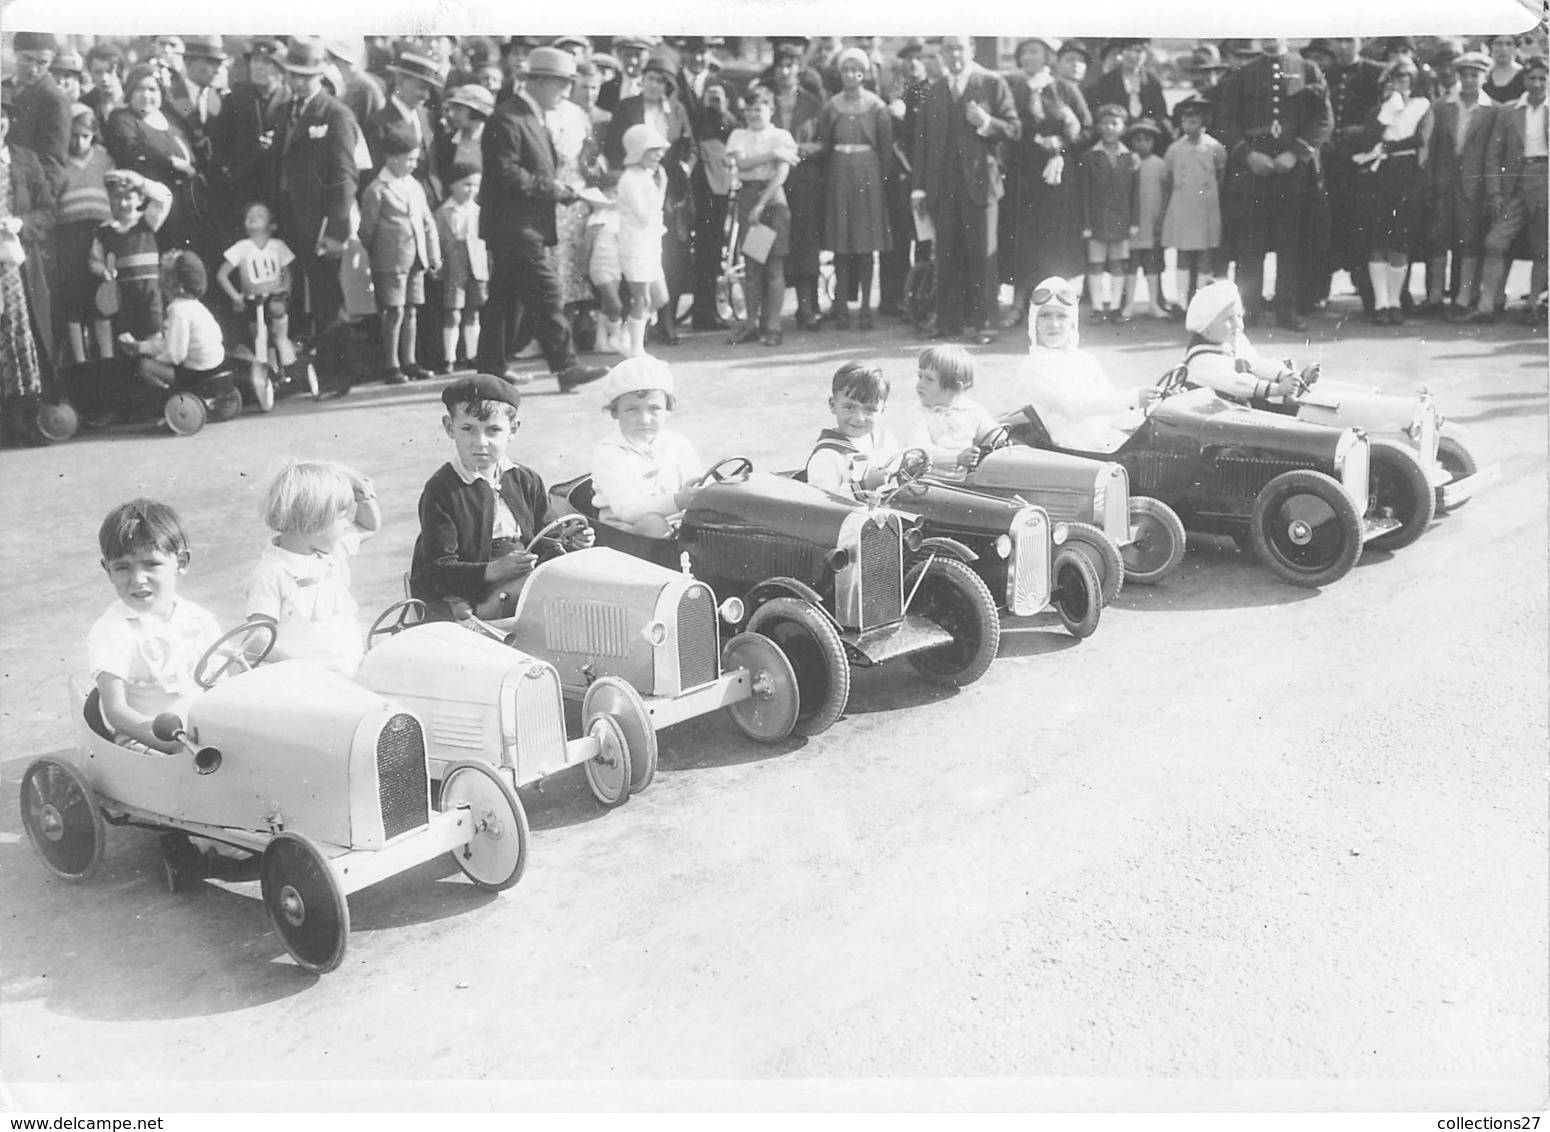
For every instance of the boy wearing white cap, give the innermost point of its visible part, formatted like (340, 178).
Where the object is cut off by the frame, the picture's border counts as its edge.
(642, 471)
(1220, 357)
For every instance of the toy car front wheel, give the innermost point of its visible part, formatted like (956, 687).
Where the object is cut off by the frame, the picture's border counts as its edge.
(496, 853)
(608, 772)
(184, 413)
(57, 423)
(1306, 529)
(63, 823)
(1075, 592)
(1456, 459)
(1397, 484)
(1157, 541)
(305, 901)
(609, 695)
(953, 596)
(774, 701)
(812, 644)
(1107, 561)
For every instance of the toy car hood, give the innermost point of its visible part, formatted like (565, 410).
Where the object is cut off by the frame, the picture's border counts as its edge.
(1216, 423)
(773, 503)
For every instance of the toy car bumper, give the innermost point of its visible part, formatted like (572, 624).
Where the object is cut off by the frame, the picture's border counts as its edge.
(356, 869)
(1457, 491)
(914, 634)
(730, 688)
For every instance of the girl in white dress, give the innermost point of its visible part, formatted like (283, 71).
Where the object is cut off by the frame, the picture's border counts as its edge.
(642, 195)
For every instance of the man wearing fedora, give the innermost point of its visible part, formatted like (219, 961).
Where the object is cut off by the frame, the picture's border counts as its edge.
(192, 96)
(517, 199)
(364, 93)
(317, 185)
(413, 77)
(40, 111)
(631, 51)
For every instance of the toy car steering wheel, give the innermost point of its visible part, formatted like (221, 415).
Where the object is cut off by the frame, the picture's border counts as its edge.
(914, 464)
(232, 647)
(555, 532)
(409, 612)
(1172, 382)
(998, 437)
(742, 468)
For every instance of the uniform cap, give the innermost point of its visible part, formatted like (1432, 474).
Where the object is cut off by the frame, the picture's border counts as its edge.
(636, 375)
(1209, 304)
(1478, 60)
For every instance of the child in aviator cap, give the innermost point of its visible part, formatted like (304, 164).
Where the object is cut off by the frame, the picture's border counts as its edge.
(642, 471)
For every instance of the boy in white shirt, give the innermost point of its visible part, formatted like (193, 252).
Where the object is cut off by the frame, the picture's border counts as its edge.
(858, 453)
(189, 346)
(642, 471)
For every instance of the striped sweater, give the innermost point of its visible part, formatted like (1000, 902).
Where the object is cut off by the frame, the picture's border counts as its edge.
(83, 194)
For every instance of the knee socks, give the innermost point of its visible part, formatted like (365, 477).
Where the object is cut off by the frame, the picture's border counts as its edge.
(1379, 274)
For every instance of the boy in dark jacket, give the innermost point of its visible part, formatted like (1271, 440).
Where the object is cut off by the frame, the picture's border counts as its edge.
(1110, 177)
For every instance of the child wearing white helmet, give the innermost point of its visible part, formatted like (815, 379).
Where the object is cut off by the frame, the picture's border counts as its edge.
(642, 470)
(1220, 356)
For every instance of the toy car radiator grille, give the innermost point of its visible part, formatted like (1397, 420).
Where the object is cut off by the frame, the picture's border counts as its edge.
(1243, 477)
(697, 639)
(539, 713)
(1027, 582)
(593, 628)
(401, 786)
(882, 597)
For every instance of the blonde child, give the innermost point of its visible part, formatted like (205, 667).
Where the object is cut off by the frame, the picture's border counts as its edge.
(600, 250)
(466, 270)
(81, 209)
(1109, 173)
(143, 650)
(401, 241)
(1192, 212)
(642, 472)
(858, 453)
(321, 513)
(642, 196)
(949, 425)
(189, 346)
(262, 265)
(1146, 247)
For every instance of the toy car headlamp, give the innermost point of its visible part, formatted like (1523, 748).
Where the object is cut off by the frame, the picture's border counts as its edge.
(1059, 535)
(1003, 546)
(655, 633)
(913, 539)
(732, 611)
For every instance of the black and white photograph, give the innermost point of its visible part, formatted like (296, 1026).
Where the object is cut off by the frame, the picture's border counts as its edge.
(772, 573)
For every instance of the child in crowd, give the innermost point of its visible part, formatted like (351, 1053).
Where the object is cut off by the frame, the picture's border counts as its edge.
(1146, 245)
(600, 250)
(949, 425)
(125, 250)
(262, 265)
(466, 271)
(189, 346)
(81, 209)
(642, 196)
(399, 233)
(143, 650)
(1109, 175)
(322, 512)
(1220, 357)
(642, 471)
(480, 509)
(1192, 212)
(763, 155)
(858, 453)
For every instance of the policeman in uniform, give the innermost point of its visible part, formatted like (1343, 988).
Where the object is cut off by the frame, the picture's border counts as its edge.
(1274, 115)
(1355, 87)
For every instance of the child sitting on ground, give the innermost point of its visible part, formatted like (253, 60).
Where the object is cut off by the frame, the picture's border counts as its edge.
(143, 650)
(642, 471)
(262, 265)
(399, 233)
(189, 346)
(125, 250)
(466, 271)
(949, 425)
(858, 453)
(480, 509)
(321, 511)
(1220, 356)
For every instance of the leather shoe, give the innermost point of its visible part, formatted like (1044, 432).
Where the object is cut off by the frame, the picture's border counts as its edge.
(515, 376)
(744, 336)
(1476, 317)
(772, 338)
(394, 377)
(579, 375)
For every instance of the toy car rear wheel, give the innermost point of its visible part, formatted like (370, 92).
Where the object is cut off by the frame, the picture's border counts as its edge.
(774, 701)
(305, 901)
(57, 423)
(184, 413)
(812, 644)
(1157, 541)
(226, 406)
(953, 596)
(59, 811)
(609, 695)
(496, 854)
(1102, 552)
(1306, 529)
(1456, 459)
(1075, 592)
(608, 772)
(1397, 483)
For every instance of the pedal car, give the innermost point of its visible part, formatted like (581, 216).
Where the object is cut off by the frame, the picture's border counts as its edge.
(105, 391)
(1297, 493)
(831, 581)
(325, 779)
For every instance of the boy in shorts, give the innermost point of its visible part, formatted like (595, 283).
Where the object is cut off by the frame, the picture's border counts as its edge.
(1109, 175)
(399, 232)
(467, 265)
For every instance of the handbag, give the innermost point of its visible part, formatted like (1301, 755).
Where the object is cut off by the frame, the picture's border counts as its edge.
(12, 253)
(758, 241)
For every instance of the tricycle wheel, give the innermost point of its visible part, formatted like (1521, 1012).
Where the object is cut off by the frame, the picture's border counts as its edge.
(57, 423)
(812, 644)
(1306, 528)
(63, 823)
(496, 852)
(1456, 459)
(1076, 593)
(1397, 483)
(305, 902)
(770, 711)
(1157, 541)
(953, 596)
(608, 771)
(184, 413)
(609, 695)
(1101, 551)
(263, 385)
(226, 406)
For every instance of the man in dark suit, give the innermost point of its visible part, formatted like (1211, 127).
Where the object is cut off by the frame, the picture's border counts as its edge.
(193, 97)
(631, 51)
(40, 111)
(516, 218)
(1455, 174)
(317, 182)
(414, 77)
(1355, 85)
(964, 117)
(1133, 86)
(249, 136)
(708, 104)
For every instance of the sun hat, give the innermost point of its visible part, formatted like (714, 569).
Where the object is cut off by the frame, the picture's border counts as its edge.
(638, 139)
(636, 375)
(476, 98)
(1209, 304)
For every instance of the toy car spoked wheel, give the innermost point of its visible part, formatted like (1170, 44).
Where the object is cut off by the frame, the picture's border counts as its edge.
(1456, 459)
(1075, 592)
(1397, 485)
(305, 901)
(609, 695)
(817, 655)
(395, 619)
(770, 711)
(56, 423)
(952, 595)
(496, 853)
(184, 413)
(1306, 529)
(558, 531)
(608, 771)
(63, 823)
(1105, 556)
(1157, 541)
(739, 468)
(232, 649)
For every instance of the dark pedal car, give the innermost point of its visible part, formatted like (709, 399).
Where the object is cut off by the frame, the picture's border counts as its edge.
(107, 391)
(832, 581)
(1297, 493)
